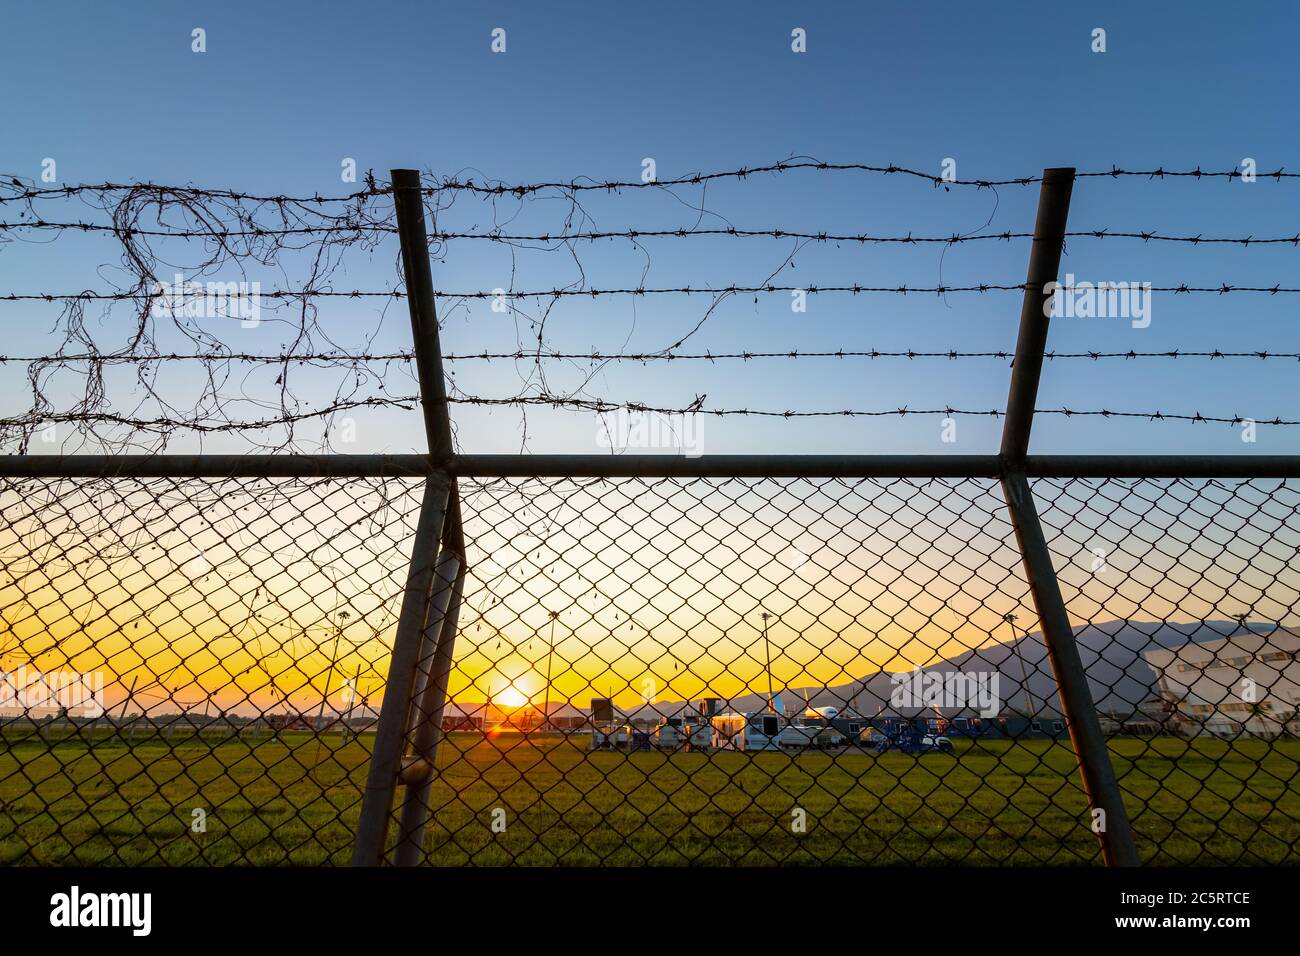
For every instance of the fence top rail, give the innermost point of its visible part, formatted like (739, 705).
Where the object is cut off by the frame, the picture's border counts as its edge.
(648, 466)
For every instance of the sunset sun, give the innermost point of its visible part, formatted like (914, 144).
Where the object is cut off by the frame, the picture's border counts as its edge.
(510, 696)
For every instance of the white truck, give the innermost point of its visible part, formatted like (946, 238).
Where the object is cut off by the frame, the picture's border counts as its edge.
(676, 733)
(806, 735)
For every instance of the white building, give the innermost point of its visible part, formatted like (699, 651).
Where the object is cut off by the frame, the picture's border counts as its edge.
(1245, 685)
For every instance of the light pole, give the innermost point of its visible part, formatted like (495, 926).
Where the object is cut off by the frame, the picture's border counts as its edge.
(1010, 618)
(329, 674)
(767, 653)
(546, 689)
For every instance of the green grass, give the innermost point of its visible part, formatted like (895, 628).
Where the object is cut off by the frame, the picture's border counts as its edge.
(294, 799)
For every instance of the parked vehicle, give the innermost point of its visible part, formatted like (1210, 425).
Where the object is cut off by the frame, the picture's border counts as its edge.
(615, 737)
(873, 739)
(810, 736)
(668, 735)
(915, 743)
(926, 744)
(751, 731)
(674, 733)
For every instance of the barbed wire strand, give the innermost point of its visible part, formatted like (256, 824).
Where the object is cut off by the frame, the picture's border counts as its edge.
(1145, 235)
(411, 402)
(520, 355)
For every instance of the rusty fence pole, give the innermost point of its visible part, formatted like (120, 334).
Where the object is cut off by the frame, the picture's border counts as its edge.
(408, 201)
(1099, 781)
(418, 765)
(390, 731)
(412, 681)
(428, 587)
(430, 704)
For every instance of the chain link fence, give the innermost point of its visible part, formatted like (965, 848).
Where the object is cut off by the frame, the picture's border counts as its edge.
(1184, 595)
(415, 662)
(644, 670)
(190, 667)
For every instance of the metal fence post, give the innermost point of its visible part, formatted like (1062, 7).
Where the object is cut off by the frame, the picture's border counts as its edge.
(422, 687)
(1098, 775)
(1031, 341)
(425, 730)
(427, 733)
(1099, 780)
(390, 732)
(408, 201)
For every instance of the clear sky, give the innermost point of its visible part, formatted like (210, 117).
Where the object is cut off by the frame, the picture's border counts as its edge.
(287, 90)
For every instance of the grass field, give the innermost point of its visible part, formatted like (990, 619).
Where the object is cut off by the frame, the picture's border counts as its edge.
(294, 800)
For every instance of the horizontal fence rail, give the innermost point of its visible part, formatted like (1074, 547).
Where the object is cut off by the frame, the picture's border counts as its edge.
(650, 466)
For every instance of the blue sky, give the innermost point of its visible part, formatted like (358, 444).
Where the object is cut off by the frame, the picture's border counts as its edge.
(286, 90)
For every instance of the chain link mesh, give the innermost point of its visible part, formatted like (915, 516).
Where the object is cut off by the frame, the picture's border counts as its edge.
(662, 671)
(191, 666)
(1184, 597)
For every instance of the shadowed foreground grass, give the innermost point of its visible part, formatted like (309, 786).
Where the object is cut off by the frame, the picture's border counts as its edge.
(294, 799)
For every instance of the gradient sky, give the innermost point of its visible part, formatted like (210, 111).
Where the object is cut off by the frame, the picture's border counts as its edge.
(286, 90)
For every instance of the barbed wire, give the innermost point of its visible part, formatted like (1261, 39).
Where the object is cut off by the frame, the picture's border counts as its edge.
(1197, 240)
(228, 229)
(229, 232)
(810, 289)
(1160, 172)
(159, 294)
(1145, 235)
(18, 191)
(951, 354)
(602, 406)
(813, 289)
(696, 408)
(281, 359)
(807, 163)
(128, 233)
(165, 425)
(531, 356)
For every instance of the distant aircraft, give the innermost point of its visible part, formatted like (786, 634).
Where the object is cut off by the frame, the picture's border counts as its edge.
(826, 713)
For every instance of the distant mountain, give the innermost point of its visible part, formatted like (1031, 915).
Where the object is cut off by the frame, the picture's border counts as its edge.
(1111, 653)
